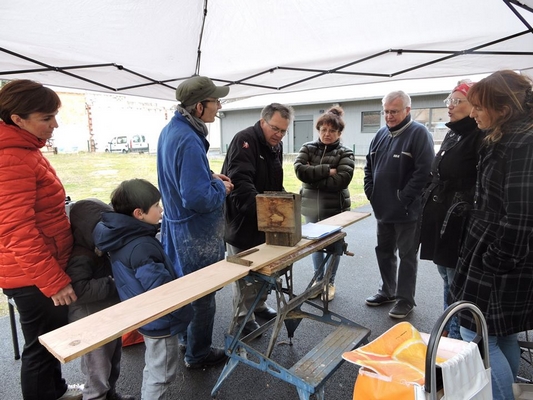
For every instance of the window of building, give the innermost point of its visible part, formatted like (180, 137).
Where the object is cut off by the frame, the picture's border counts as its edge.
(433, 119)
(370, 121)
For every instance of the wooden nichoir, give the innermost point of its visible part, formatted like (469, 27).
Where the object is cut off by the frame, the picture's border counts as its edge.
(279, 215)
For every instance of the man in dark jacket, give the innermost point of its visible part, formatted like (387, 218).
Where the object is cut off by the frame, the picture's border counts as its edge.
(397, 169)
(254, 165)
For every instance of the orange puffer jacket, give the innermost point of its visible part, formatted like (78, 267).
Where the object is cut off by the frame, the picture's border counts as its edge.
(35, 236)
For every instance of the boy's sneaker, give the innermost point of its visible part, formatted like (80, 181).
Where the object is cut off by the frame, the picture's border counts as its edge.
(215, 357)
(401, 309)
(74, 392)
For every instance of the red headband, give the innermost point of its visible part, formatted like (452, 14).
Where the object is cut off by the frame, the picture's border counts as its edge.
(463, 88)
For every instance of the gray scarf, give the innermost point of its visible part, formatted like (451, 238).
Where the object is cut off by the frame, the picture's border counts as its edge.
(197, 123)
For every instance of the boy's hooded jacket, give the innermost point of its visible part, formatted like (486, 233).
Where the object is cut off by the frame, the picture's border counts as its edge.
(90, 272)
(139, 264)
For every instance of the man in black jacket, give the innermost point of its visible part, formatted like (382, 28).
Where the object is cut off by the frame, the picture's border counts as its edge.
(254, 165)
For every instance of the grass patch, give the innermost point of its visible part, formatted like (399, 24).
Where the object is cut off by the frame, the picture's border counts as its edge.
(87, 175)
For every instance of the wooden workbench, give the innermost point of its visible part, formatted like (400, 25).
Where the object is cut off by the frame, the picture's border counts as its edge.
(80, 337)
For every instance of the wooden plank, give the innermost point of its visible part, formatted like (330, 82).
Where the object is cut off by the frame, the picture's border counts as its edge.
(325, 358)
(282, 263)
(345, 218)
(82, 336)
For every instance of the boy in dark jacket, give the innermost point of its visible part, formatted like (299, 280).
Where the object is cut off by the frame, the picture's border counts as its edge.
(90, 271)
(139, 264)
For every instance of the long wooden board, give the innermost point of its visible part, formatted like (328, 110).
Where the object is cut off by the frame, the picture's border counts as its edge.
(80, 337)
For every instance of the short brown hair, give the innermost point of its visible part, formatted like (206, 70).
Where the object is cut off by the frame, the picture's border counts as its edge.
(507, 96)
(132, 194)
(24, 97)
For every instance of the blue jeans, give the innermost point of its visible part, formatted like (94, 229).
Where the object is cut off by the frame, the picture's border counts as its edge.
(504, 354)
(200, 330)
(452, 326)
(397, 281)
(319, 256)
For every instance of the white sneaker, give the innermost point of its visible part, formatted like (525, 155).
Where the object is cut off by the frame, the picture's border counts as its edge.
(331, 292)
(74, 392)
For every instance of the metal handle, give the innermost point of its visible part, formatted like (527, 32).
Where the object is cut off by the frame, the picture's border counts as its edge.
(482, 335)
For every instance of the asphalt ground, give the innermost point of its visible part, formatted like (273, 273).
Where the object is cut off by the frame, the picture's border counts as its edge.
(357, 278)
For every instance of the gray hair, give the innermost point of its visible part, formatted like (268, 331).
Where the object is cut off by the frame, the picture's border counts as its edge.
(191, 109)
(406, 100)
(286, 112)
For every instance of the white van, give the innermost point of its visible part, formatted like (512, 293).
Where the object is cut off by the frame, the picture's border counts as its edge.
(123, 144)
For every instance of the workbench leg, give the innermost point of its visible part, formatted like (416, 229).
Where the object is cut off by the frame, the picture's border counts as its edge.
(304, 394)
(228, 369)
(282, 314)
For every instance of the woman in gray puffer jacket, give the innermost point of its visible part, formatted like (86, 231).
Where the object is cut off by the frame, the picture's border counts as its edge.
(325, 168)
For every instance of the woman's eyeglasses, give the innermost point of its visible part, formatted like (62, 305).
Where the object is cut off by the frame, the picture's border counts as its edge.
(454, 102)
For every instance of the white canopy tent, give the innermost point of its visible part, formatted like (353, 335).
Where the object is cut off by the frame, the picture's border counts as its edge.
(147, 47)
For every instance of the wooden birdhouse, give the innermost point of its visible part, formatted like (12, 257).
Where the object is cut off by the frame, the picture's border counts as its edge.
(279, 215)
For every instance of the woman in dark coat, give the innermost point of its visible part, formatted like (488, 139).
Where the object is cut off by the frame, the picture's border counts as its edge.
(451, 192)
(325, 168)
(495, 268)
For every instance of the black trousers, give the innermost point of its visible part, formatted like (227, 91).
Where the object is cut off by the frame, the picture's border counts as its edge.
(40, 372)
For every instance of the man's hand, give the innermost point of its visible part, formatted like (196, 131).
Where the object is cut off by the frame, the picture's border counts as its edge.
(332, 171)
(226, 180)
(65, 296)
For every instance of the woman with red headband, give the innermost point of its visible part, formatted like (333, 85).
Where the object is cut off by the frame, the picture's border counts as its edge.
(450, 193)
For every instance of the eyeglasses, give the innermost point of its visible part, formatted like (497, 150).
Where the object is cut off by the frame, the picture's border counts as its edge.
(212, 101)
(454, 102)
(277, 130)
(328, 130)
(392, 113)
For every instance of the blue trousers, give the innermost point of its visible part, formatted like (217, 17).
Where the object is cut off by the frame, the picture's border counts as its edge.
(452, 326)
(198, 337)
(504, 354)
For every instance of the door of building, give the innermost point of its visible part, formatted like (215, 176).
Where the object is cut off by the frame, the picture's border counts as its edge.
(303, 133)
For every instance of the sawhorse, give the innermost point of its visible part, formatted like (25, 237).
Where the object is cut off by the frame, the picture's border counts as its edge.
(311, 372)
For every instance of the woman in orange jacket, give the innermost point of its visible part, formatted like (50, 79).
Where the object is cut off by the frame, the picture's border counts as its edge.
(35, 237)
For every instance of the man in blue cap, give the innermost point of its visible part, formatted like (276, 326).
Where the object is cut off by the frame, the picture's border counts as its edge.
(192, 229)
